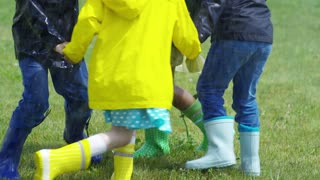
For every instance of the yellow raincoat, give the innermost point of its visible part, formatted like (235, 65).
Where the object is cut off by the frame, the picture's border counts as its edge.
(130, 63)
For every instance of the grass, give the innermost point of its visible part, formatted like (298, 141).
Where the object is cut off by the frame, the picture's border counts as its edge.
(288, 96)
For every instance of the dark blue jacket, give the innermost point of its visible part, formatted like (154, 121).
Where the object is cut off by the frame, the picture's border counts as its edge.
(243, 20)
(39, 25)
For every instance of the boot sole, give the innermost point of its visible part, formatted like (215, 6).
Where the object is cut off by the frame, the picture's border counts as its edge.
(209, 165)
(248, 172)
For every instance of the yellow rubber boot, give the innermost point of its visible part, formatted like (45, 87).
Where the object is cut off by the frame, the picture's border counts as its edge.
(53, 162)
(123, 162)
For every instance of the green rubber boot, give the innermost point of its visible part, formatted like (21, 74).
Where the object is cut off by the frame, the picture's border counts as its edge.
(156, 144)
(195, 114)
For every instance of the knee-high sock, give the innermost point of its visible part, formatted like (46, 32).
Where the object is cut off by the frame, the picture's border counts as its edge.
(73, 157)
(195, 114)
(123, 161)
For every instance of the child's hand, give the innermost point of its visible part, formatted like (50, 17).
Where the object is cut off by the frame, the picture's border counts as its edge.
(59, 48)
(195, 65)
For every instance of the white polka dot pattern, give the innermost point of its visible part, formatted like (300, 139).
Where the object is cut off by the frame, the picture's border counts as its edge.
(140, 118)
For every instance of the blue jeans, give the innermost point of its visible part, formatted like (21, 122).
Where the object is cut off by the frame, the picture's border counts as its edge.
(70, 83)
(243, 63)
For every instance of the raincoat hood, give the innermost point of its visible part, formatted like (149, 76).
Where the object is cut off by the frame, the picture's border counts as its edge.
(128, 9)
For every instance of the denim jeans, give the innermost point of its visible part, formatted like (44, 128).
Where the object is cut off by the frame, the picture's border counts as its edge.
(241, 62)
(70, 83)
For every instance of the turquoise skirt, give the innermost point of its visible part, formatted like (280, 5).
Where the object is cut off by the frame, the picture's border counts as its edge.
(140, 118)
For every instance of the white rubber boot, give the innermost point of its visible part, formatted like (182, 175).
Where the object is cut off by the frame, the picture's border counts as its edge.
(249, 153)
(220, 133)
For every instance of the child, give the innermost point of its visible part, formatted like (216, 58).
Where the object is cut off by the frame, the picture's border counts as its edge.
(157, 142)
(37, 27)
(242, 42)
(130, 76)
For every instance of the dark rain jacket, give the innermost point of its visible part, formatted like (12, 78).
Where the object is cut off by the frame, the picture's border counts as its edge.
(243, 20)
(39, 25)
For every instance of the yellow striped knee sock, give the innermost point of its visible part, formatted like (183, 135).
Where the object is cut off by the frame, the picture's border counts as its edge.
(123, 162)
(53, 162)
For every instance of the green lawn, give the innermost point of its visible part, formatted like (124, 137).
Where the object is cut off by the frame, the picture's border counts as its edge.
(288, 96)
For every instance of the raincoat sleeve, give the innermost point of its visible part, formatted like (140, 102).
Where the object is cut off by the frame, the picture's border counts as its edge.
(185, 36)
(88, 25)
(207, 17)
(35, 16)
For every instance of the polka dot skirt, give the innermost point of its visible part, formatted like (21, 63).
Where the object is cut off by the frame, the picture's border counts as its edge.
(140, 118)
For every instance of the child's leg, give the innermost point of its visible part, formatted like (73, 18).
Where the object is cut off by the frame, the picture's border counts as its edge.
(191, 108)
(77, 156)
(246, 107)
(123, 161)
(156, 144)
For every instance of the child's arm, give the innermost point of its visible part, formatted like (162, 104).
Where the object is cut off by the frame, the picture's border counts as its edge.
(88, 25)
(185, 35)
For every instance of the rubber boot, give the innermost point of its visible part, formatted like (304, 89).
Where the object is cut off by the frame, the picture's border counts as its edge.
(123, 162)
(249, 153)
(195, 114)
(95, 159)
(156, 144)
(220, 152)
(50, 163)
(11, 152)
